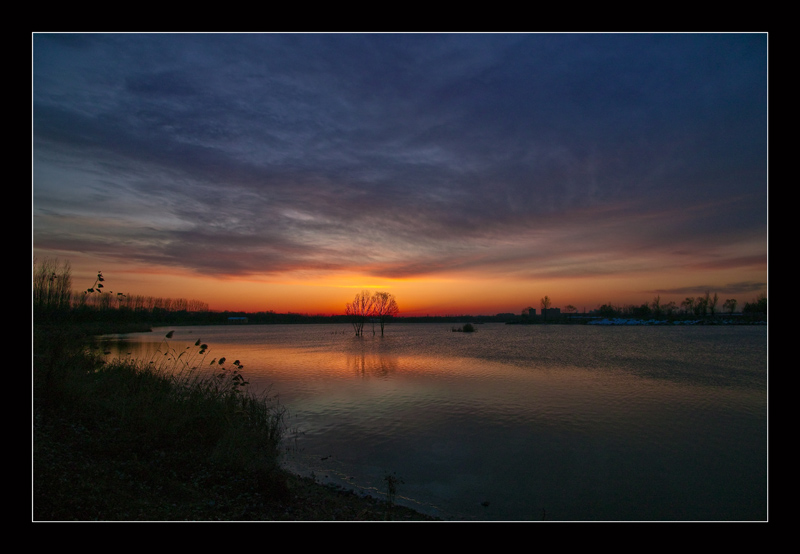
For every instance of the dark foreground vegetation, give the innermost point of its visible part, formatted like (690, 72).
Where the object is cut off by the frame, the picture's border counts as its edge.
(174, 438)
(171, 440)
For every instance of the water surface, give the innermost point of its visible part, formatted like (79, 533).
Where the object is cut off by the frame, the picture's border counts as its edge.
(518, 422)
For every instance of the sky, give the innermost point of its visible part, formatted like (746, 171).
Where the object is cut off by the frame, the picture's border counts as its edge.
(463, 173)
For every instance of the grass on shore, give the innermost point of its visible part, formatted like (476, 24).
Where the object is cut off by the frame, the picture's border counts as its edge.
(175, 438)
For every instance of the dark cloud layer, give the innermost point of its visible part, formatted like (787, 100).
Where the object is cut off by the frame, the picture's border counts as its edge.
(399, 155)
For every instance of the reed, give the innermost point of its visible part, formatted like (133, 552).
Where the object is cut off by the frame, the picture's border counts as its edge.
(178, 411)
(180, 397)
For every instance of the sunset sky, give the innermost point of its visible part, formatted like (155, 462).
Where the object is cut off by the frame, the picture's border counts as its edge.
(464, 173)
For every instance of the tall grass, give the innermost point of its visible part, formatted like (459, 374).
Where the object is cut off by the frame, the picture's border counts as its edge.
(52, 285)
(177, 403)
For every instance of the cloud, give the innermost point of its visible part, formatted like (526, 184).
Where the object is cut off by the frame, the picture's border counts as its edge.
(400, 155)
(747, 287)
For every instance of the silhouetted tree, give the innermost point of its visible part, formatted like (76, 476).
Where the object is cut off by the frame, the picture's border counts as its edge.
(701, 305)
(669, 308)
(712, 303)
(656, 306)
(758, 306)
(359, 310)
(607, 310)
(384, 306)
(729, 305)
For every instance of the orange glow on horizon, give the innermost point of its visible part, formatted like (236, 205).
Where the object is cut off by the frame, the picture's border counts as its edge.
(436, 295)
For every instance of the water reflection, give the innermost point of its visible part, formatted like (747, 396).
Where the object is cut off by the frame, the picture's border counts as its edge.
(583, 423)
(372, 364)
(120, 348)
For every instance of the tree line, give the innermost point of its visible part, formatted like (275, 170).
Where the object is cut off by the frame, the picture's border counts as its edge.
(702, 306)
(53, 297)
(706, 305)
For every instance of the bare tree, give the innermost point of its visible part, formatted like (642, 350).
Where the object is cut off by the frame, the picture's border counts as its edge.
(384, 306)
(729, 305)
(359, 310)
(545, 306)
(701, 305)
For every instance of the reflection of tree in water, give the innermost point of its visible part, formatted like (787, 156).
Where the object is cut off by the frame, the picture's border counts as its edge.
(372, 364)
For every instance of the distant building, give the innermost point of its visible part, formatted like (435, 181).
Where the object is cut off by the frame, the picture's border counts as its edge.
(237, 320)
(547, 312)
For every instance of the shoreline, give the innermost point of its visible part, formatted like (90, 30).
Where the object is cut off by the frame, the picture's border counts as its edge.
(71, 482)
(115, 443)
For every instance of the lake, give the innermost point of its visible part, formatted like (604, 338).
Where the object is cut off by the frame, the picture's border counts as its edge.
(517, 423)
